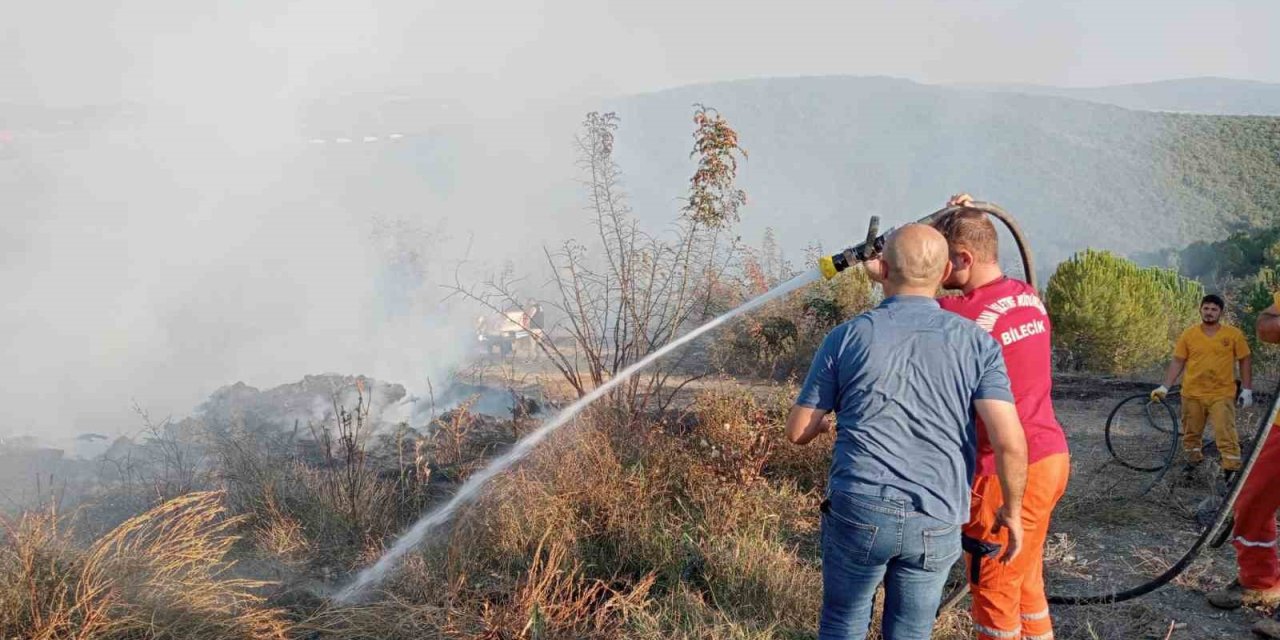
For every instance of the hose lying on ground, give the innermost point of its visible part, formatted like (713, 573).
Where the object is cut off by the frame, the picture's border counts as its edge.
(1224, 513)
(1214, 535)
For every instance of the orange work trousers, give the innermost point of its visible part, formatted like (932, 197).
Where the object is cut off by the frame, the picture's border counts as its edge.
(1254, 535)
(1008, 599)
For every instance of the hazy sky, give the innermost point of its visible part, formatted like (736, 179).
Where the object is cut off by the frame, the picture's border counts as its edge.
(74, 52)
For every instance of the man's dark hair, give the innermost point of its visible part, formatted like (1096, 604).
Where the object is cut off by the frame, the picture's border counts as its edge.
(1214, 299)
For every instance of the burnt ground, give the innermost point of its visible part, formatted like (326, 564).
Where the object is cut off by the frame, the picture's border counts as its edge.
(1108, 535)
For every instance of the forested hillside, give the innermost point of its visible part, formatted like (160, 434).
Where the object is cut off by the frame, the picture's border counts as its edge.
(1244, 268)
(1218, 96)
(825, 153)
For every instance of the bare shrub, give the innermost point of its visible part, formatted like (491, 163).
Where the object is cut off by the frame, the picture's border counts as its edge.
(778, 341)
(450, 436)
(734, 433)
(350, 486)
(333, 501)
(630, 291)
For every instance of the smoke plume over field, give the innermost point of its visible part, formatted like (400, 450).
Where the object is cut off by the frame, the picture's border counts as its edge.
(195, 231)
(196, 194)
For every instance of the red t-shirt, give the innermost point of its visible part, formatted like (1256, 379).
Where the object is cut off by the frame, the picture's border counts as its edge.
(1011, 311)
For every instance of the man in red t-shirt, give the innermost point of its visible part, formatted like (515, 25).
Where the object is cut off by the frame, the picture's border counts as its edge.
(1008, 599)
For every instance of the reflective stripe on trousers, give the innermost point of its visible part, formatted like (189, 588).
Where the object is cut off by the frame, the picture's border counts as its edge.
(1254, 535)
(984, 631)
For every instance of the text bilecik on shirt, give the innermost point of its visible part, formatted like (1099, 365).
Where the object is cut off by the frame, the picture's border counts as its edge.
(1011, 311)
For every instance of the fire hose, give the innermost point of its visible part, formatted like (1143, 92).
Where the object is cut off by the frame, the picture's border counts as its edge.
(874, 244)
(1219, 520)
(871, 248)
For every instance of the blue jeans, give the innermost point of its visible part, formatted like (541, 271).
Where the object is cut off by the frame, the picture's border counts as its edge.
(866, 539)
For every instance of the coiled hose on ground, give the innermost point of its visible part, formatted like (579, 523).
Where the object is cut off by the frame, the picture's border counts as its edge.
(1219, 520)
(1224, 510)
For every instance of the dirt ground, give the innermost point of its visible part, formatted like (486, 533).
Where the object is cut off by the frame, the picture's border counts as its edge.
(1109, 536)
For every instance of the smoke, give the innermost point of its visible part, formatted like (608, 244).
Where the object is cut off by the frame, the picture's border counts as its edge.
(226, 201)
(160, 264)
(197, 239)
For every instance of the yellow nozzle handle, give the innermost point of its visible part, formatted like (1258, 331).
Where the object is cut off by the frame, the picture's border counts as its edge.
(828, 267)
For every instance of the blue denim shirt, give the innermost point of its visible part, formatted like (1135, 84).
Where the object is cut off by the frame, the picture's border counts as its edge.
(902, 379)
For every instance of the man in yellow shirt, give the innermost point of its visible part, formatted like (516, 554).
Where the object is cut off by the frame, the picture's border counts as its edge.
(1208, 352)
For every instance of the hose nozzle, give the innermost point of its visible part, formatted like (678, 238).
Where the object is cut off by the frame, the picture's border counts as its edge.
(833, 264)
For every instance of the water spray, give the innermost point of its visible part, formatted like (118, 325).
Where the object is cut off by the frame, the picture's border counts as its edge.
(828, 267)
(470, 490)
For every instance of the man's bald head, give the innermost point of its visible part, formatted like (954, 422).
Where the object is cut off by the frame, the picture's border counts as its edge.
(916, 256)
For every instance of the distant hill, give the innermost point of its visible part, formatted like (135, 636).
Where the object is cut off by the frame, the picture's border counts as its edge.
(827, 152)
(1219, 96)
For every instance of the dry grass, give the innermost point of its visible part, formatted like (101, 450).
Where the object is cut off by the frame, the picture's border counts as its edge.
(616, 532)
(610, 530)
(1128, 620)
(281, 535)
(162, 574)
(43, 592)
(625, 532)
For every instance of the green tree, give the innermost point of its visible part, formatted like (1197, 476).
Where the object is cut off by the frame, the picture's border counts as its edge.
(1251, 298)
(1112, 316)
(1244, 267)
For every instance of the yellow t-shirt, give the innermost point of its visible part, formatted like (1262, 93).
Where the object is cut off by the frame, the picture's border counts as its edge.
(1211, 370)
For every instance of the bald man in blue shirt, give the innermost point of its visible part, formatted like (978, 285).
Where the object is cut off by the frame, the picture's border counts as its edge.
(905, 380)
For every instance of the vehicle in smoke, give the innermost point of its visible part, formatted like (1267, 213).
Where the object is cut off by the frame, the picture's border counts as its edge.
(505, 331)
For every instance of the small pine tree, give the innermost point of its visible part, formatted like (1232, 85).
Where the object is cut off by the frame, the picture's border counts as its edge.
(1112, 316)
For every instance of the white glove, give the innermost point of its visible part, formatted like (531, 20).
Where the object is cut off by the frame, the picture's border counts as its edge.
(1159, 393)
(1246, 398)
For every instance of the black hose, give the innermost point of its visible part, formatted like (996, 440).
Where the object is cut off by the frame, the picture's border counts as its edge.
(994, 210)
(1224, 511)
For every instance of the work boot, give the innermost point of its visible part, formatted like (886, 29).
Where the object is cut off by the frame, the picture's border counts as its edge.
(1234, 596)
